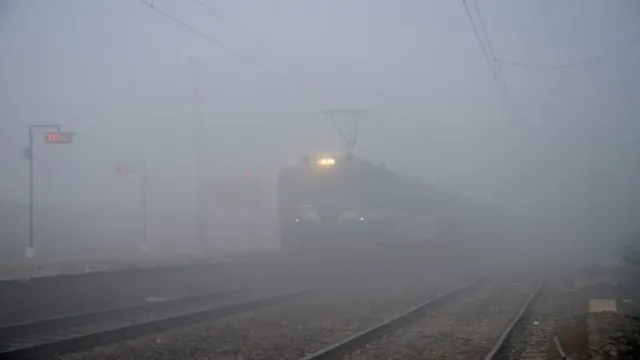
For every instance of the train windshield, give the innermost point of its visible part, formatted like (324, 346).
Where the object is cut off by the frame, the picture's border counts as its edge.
(328, 189)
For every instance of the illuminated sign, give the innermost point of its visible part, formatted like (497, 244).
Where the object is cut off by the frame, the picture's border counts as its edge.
(126, 169)
(58, 137)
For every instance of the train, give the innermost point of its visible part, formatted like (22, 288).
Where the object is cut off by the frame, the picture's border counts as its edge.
(327, 199)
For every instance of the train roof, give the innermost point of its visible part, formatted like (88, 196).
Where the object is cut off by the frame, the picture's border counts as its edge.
(445, 200)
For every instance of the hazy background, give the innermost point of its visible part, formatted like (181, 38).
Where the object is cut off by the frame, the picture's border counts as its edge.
(561, 146)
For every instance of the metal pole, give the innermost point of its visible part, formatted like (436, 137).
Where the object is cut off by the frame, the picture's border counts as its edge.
(143, 188)
(200, 204)
(30, 252)
(257, 168)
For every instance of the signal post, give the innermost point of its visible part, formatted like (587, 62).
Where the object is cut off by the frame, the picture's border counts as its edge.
(50, 137)
(144, 179)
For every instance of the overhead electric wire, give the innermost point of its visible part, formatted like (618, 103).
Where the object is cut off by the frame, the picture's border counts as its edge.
(501, 84)
(489, 56)
(580, 62)
(231, 51)
(228, 23)
(484, 30)
(213, 13)
(490, 62)
(574, 63)
(488, 53)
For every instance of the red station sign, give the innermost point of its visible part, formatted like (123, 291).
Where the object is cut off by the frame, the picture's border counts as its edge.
(58, 137)
(125, 169)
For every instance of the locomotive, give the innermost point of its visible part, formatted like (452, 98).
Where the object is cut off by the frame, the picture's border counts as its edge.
(330, 199)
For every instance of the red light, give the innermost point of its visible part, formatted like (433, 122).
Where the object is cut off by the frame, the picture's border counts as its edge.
(246, 174)
(57, 137)
(126, 170)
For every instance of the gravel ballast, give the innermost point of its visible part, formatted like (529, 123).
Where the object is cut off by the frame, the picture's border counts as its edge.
(287, 331)
(465, 328)
(560, 306)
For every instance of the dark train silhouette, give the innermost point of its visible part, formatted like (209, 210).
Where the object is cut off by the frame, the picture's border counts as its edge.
(328, 199)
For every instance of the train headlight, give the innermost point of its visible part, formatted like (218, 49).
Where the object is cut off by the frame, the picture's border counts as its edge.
(325, 161)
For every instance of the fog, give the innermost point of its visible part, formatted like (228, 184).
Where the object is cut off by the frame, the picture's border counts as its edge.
(557, 150)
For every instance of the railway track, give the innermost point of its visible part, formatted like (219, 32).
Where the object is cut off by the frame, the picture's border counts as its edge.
(557, 312)
(41, 339)
(536, 353)
(472, 322)
(287, 331)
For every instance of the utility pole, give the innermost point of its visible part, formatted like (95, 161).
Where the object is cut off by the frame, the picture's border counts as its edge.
(199, 155)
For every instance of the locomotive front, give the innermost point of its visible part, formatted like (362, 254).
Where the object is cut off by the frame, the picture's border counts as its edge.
(319, 202)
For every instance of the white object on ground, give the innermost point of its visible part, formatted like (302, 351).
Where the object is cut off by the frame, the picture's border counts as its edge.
(602, 305)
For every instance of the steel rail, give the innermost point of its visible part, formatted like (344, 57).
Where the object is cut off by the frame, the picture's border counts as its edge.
(500, 344)
(30, 328)
(340, 349)
(76, 339)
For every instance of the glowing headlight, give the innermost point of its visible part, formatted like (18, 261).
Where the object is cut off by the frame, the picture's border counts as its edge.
(362, 219)
(326, 161)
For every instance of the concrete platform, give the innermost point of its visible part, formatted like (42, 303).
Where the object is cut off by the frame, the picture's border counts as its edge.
(24, 269)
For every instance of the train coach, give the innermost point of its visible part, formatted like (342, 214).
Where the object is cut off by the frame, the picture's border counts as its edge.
(331, 199)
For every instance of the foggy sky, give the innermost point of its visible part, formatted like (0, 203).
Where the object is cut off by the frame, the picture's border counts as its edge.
(119, 74)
